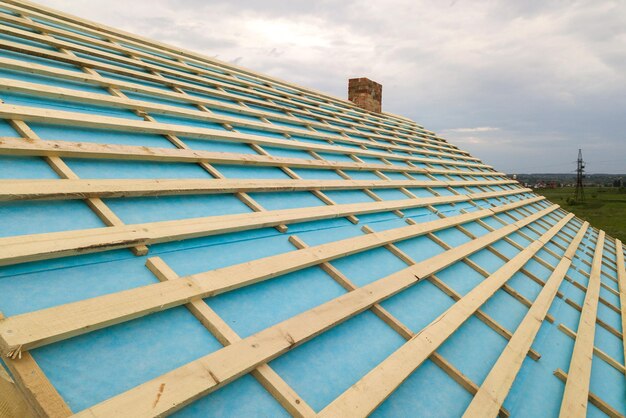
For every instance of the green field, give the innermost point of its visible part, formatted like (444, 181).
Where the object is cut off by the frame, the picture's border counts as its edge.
(604, 207)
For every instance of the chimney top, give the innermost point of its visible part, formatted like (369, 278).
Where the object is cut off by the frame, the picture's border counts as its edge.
(366, 94)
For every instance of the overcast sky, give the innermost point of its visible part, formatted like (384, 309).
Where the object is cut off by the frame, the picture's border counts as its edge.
(520, 84)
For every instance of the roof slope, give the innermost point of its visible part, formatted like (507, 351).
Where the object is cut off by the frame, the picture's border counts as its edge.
(179, 235)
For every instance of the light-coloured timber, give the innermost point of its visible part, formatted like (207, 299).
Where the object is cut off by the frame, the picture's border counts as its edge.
(28, 147)
(86, 120)
(593, 398)
(190, 382)
(24, 248)
(498, 382)
(48, 325)
(621, 278)
(356, 113)
(11, 190)
(32, 394)
(368, 393)
(601, 354)
(576, 393)
(71, 95)
(283, 393)
(12, 403)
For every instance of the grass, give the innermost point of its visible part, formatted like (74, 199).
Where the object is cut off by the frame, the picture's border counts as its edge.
(604, 207)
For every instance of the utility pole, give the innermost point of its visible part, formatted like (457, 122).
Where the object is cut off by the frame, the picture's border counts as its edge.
(580, 170)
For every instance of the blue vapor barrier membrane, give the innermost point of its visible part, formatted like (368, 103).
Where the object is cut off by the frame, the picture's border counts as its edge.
(317, 174)
(368, 266)
(420, 248)
(419, 305)
(67, 28)
(89, 45)
(460, 277)
(608, 384)
(473, 348)
(218, 146)
(99, 136)
(379, 217)
(159, 100)
(93, 367)
(109, 60)
(348, 196)
(224, 112)
(23, 218)
(195, 123)
(287, 152)
(394, 175)
(37, 60)
(361, 175)
(536, 391)
(65, 105)
(250, 172)
(17, 39)
(286, 200)
(323, 368)
(136, 210)
(215, 97)
(120, 169)
(29, 287)
(245, 397)
(25, 168)
(505, 309)
(141, 82)
(47, 81)
(253, 308)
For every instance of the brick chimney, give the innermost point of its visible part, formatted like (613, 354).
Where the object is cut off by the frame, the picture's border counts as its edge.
(365, 93)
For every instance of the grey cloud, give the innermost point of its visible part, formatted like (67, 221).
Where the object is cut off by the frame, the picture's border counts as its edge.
(551, 76)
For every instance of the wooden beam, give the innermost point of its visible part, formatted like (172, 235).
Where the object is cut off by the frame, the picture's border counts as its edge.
(576, 393)
(24, 248)
(274, 384)
(601, 354)
(621, 279)
(122, 102)
(52, 324)
(499, 381)
(593, 398)
(368, 393)
(86, 120)
(27, 147)
(11, 190)
(34, 387)
(190, 381)
(12, 402)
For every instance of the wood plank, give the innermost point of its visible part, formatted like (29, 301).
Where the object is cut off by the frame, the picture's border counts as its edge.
(48, 325)
(12, 403)
(496, 386)
(576, 393)
(26, 147)
(368, 393)
(11, 190)
(277, 387)
(356, 115)
(593, 398)
(34, 387)
(195, 100)
(621, 279)
(67, 118)
(601, 354)
(122, 102)
(24, 248)
(192, 380)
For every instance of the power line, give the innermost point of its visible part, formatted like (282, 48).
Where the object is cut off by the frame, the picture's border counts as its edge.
(580, 170)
